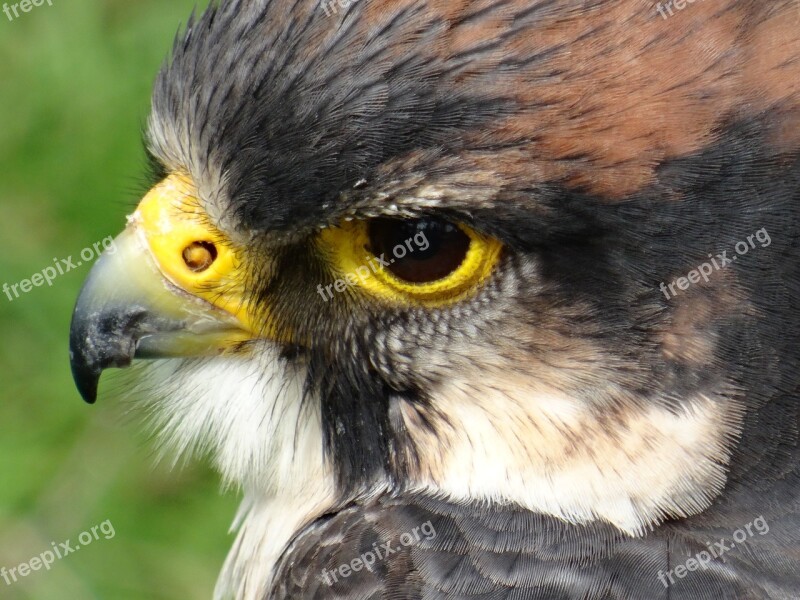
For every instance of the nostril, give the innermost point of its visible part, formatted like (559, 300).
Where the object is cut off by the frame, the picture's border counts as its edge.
(198, 256)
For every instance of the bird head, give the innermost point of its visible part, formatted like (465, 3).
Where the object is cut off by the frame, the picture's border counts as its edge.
(405, 247)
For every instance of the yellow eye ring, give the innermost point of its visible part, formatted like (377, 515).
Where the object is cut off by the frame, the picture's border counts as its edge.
(355, 266)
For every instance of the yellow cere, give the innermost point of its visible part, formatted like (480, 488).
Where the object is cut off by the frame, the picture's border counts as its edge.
(347, 248)
(179, 235)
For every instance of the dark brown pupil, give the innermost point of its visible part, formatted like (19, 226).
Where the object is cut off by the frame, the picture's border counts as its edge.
(418, 250)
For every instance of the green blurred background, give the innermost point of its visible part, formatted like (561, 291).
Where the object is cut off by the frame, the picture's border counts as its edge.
(74, 95)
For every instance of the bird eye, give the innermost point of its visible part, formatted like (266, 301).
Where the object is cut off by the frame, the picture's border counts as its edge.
(428, 261)
(419, 250)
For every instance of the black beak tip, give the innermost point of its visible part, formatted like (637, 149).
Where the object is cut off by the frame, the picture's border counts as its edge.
(86, 380)
(104, 329)
(96, 345)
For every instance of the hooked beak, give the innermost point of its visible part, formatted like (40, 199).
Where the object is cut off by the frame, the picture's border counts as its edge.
(147, 298)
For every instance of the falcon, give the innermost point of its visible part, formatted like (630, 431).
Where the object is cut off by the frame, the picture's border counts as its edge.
(488, 300)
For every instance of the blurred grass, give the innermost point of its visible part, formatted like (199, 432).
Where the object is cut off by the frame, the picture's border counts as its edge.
(74, 94)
